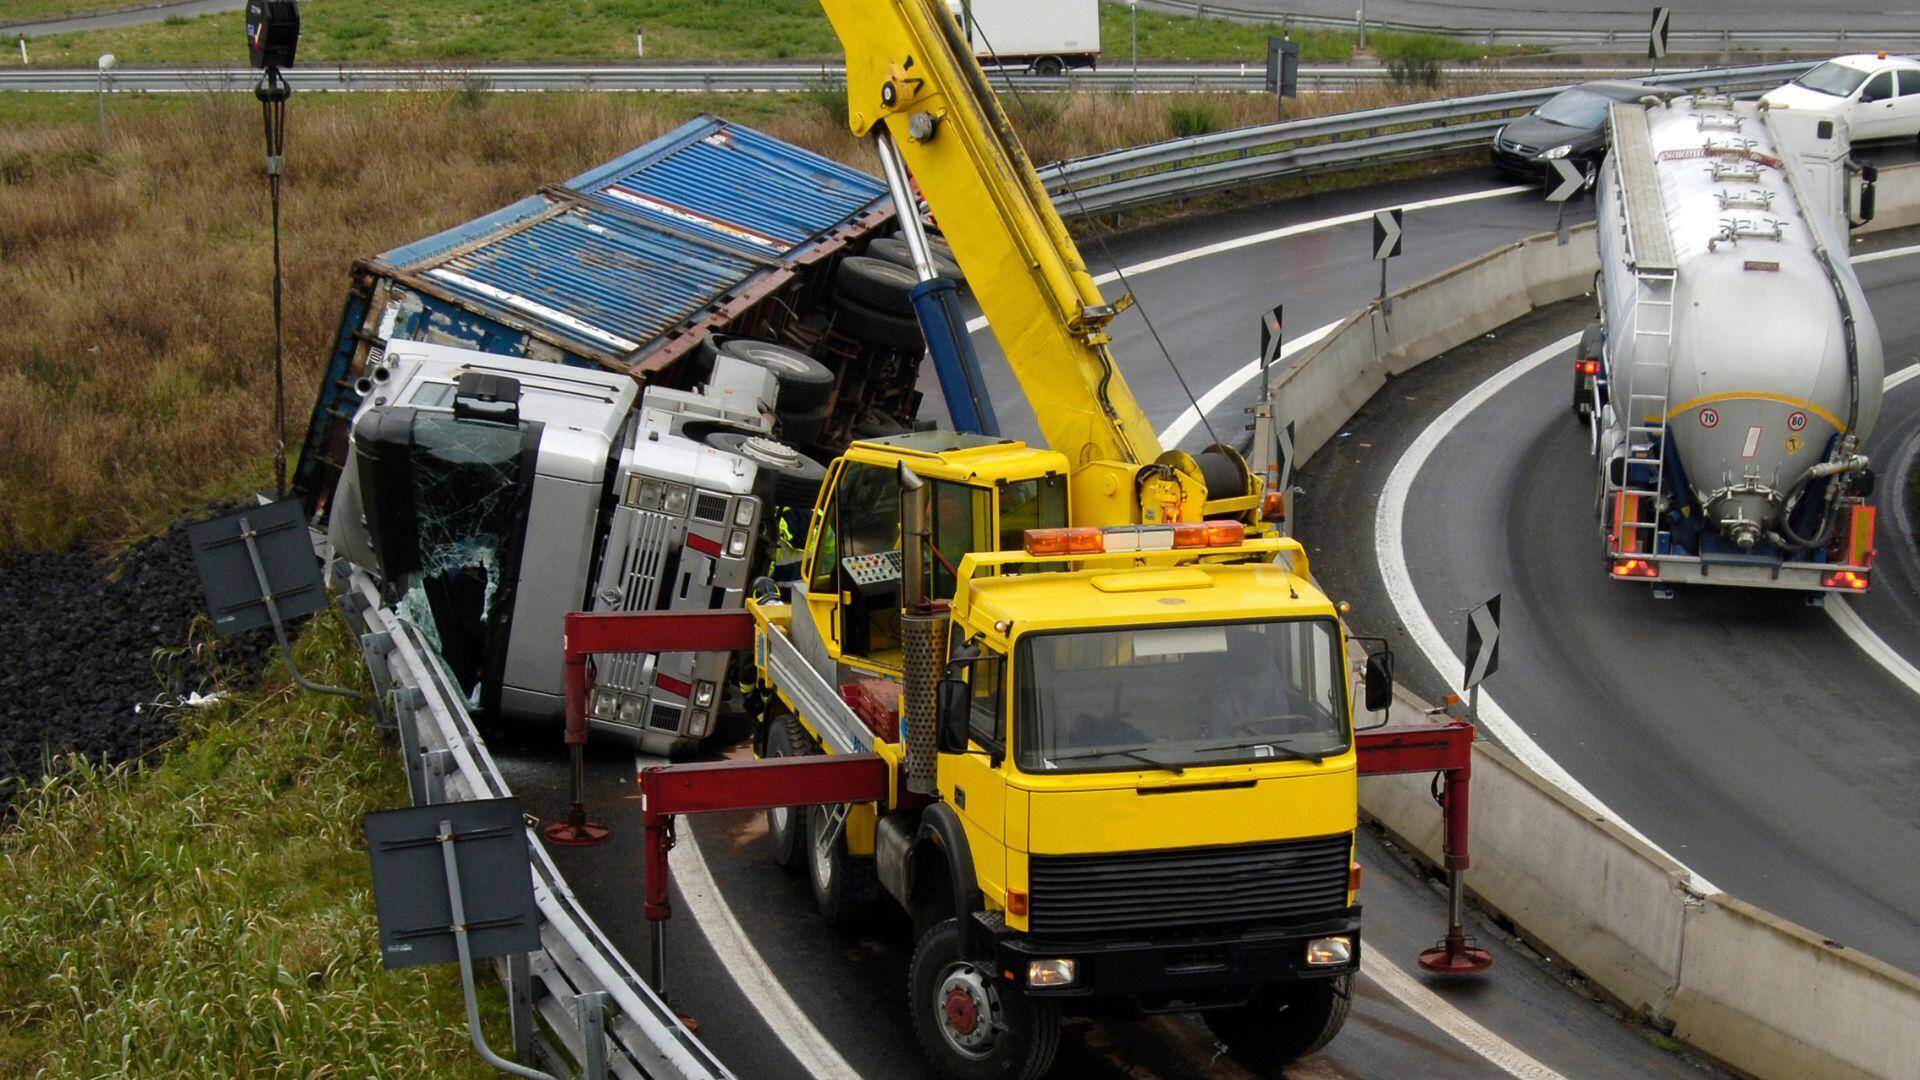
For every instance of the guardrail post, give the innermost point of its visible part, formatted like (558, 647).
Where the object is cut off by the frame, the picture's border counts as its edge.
(434, 764)
(520, 1005)
(591, 1012)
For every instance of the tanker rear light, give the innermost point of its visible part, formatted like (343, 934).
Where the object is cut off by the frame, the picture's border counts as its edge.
(1586, 367)
(1088, 540)
(1635, 568)
(1845, 579)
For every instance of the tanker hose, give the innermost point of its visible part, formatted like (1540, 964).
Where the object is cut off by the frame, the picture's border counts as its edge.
(1844, 462)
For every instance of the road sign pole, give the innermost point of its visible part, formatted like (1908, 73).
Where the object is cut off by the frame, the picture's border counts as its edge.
(1133, 14)
(1386, 302)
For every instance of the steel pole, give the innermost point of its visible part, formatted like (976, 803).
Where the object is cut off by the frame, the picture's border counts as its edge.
(1363, 23)
(1133, 9)
(102, 83)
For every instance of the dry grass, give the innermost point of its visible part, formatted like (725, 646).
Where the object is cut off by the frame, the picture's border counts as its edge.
(135, 358)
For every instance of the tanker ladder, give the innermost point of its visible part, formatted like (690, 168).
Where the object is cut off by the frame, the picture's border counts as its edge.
(1649, 377)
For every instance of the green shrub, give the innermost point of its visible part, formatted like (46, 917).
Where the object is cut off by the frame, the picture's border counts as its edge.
(1189, 119)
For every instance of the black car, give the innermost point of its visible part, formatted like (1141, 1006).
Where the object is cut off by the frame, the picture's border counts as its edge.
(1572, 124)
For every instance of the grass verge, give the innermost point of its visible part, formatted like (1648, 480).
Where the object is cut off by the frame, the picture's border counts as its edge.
(208, 912)
(374, 31)
(137, 358)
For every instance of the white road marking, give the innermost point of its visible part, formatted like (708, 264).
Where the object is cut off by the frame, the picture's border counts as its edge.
(1842, 613)
(1890, 253)
(977, 324)
(742, 961)
(1440, 1012)
(1209, 401)
(1390, 551)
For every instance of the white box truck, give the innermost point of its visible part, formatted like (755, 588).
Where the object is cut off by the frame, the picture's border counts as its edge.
(1045, 37)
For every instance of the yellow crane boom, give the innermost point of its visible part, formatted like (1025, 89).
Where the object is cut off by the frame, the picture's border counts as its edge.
(913, 84)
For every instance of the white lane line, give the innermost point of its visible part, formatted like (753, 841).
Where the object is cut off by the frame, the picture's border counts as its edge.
(1211, 400)
(1441, 1013)
(742, 961)
(1890, 253)
(1390, 552)
(1842, 613)
(979, 323)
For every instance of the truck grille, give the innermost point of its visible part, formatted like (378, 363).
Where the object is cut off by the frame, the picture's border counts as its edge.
(1235, 886)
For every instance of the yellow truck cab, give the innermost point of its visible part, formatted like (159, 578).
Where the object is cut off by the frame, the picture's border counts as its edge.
(1123, 758)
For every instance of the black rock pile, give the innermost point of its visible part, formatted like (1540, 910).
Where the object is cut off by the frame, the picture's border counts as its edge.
(96, 654)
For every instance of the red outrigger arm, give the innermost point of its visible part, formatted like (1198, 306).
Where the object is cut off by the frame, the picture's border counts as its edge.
(1446, 749)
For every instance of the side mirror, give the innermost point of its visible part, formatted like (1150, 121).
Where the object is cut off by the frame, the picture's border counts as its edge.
(1379, 681)
(953, 700)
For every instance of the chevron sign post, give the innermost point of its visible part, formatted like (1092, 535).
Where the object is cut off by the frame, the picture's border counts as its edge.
(1387, 237)
(1657, 36)
(1483, 649)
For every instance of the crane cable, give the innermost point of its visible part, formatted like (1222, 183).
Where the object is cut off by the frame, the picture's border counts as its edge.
(1119, 274)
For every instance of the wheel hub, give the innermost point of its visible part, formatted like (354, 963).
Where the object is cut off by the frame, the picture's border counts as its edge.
(769, 452)
(967, 1007)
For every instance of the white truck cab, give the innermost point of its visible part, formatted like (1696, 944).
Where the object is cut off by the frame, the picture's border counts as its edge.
(493, 495)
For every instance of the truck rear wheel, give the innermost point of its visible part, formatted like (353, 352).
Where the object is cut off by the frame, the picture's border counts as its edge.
(843, 884)
(971, 1025)
(786, 825)
(1285, 1023)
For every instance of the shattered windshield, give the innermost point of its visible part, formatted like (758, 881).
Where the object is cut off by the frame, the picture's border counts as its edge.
(467, 496)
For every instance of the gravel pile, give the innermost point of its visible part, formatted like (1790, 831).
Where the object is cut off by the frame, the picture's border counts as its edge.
(95, 656)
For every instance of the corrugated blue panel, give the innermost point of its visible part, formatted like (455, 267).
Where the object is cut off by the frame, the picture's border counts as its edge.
(590, 277)
(421, 250)
(735, 184)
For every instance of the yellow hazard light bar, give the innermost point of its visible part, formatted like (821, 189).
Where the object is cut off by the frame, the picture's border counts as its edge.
(1087, 540)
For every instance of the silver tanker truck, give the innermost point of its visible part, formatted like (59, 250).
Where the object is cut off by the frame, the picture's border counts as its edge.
(1734, 369)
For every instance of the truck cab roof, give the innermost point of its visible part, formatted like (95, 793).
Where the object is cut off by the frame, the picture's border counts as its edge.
(1117, 590)
(953, 455)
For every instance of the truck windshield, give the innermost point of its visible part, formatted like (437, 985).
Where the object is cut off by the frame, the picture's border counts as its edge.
(1179, 697)
(1831, 78)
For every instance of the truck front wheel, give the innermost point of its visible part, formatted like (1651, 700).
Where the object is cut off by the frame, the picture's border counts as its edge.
(1285, 1023)
(786, 825)
(971, 1025)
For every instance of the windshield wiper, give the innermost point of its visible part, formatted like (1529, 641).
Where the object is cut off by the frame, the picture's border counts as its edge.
(1279, 749)
(1119, 752)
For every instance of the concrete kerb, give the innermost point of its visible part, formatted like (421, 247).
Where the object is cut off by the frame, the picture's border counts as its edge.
(1762, 994)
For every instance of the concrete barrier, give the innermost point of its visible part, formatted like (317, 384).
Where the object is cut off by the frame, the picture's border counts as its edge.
(1329, 382)
(1763, 995)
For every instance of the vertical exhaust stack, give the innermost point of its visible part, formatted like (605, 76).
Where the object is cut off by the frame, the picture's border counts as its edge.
(923, 634)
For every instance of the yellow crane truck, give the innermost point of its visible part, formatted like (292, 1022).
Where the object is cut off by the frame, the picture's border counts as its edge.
(1078, 710)
(1116, 729)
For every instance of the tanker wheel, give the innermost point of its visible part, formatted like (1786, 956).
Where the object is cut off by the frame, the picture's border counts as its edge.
(843, 884)
(1285, 1023)
(786, 824)
(971, 1025)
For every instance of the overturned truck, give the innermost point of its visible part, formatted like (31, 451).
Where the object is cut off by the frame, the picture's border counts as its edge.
(610, 396)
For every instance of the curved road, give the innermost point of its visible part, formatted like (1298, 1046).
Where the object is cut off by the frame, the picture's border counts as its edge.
(778, 993)
(1742, 731)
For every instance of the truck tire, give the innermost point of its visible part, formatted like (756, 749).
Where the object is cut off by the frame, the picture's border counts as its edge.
(894, 249)
(796, 477)
(971, 1025)
(877, 327)
(1049, 67)
(1285, 1023)
(786, 825)
(805, 383)
(843, 884)
(877, 283)
(803, 429)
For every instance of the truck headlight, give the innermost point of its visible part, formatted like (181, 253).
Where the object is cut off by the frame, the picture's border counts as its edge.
(606, 704)
(703, 694)
(743, 511)
(630, 710)
(737, 543)
(1329, 951)
(1557, 152)
(677, 499)
(1051, 973)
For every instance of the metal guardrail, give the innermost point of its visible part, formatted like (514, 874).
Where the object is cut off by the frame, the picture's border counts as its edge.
(1157, 172)
(1631, 37)
(738, 78)
(447, 761)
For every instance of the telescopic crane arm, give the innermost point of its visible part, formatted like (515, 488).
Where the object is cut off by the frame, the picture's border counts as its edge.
(912, 82)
